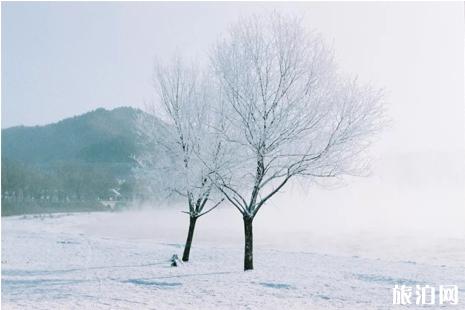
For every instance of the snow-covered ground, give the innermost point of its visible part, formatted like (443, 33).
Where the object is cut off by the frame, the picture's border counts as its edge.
(121, 261)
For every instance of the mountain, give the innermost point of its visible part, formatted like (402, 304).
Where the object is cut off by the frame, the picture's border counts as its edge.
(81, 160)
(97, 136)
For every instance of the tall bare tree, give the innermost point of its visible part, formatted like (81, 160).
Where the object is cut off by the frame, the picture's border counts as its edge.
(290, 114)
(174, 150)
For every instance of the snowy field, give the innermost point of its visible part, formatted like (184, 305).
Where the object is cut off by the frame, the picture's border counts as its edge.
(121, 261)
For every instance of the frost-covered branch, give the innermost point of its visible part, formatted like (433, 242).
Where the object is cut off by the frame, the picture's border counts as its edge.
(290, 114)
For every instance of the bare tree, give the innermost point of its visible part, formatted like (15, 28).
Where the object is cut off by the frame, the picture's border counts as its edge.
(174, 150)
(290, 114)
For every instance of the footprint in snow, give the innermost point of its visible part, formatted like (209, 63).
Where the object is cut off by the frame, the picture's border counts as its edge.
(276, 285)
(153, 283)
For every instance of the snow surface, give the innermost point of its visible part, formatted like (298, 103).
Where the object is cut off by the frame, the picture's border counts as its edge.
(121, 261)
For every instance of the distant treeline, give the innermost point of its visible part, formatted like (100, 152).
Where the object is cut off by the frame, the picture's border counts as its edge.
(80, 163)
(64, 186)
(65, 182)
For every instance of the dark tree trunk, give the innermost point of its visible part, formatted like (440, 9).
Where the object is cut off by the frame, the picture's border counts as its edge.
(190, 235)
(248, 248)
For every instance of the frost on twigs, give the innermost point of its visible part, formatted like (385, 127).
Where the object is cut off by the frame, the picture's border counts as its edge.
(178, 135)
(289, 114)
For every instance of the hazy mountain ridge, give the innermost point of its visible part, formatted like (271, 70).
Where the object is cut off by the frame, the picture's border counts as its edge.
(96, 136)
(79, 160)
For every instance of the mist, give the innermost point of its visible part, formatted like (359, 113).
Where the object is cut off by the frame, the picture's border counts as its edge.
(413, 51)
(79, 231)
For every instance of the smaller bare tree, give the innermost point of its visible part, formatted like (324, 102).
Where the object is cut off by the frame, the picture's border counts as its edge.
(290, 114)
(174, 150)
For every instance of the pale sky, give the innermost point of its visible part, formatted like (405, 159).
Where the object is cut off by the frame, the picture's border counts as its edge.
(63, 59)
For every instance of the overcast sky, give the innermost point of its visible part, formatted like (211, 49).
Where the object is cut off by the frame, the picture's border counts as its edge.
(63, 59)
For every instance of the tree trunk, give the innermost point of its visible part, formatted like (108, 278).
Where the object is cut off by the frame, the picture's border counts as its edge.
(190, 235)
(248, 249)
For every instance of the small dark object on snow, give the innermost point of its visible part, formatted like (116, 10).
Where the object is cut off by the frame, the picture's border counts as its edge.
(174, 260)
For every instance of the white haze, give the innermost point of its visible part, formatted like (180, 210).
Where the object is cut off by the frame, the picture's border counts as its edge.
(414, 50)
(400, 213)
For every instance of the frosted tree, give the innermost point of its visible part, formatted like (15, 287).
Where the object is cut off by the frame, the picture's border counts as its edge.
(174, 150)
(289, 114)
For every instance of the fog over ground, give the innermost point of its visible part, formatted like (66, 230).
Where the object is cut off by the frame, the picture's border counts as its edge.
(69, 58)
(402, 214)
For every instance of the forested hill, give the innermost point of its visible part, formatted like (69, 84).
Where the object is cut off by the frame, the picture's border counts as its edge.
(81, 160)
(97, 136)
